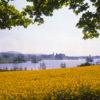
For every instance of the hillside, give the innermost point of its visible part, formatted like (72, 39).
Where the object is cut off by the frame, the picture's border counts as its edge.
(55, 84)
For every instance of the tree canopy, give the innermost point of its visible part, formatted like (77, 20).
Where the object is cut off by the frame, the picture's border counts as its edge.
(10, 16)
(89, 11)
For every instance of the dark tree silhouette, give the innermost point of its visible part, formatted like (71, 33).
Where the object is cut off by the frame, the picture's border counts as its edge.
(89, 59)
(42, 65)
(63, 65)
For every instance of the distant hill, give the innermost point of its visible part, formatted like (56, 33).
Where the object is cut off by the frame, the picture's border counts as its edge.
(16, 57)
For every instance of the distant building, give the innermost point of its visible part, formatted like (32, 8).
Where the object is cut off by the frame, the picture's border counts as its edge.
(60, 56)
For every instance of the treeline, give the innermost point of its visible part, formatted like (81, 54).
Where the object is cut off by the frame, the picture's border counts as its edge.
(9, 57)
(17, 58)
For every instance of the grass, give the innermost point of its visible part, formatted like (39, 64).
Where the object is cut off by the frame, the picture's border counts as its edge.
(82, 83)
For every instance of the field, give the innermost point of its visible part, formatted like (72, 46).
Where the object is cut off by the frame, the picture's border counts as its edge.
(58, 84)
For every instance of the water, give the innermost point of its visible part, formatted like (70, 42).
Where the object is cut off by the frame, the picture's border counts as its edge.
(50, 64)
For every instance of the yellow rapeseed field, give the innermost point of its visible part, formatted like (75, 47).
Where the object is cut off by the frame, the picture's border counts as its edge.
(82, 83)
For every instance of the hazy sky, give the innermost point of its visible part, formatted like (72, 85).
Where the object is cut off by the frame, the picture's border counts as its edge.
(58, 34)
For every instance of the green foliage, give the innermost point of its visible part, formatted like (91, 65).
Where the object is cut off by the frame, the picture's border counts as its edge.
(89, 20)
(89, 62)
(10, 16)
(85, 64)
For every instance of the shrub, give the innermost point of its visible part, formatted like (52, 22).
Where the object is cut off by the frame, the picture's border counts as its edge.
(63, 65)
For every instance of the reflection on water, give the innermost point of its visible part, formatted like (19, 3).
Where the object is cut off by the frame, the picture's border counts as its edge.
(50, 64)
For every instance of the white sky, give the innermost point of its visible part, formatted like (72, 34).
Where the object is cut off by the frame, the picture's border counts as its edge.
(58, 34)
